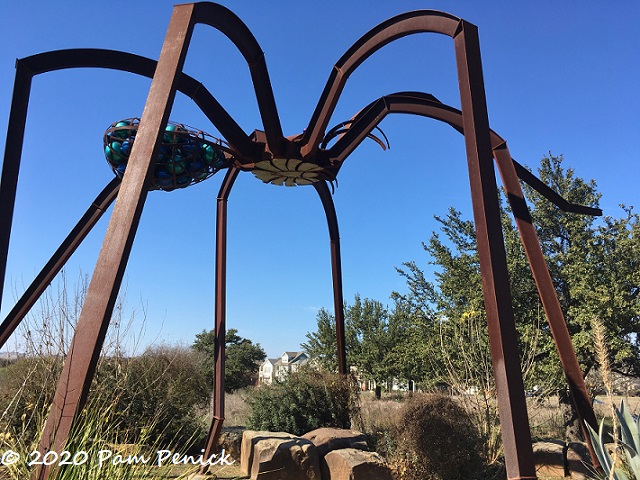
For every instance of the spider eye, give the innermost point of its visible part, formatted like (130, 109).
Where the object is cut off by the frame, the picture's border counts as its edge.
(186, 156)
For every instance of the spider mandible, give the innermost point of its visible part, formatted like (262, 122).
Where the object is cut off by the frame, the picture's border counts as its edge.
(304, 159)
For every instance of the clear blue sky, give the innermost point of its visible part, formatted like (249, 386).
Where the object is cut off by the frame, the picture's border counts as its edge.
(560, 77)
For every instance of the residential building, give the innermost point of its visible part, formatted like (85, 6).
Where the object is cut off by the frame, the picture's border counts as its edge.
(278, 368)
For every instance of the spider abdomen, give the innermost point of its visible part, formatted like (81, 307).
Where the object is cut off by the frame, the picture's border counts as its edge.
(186, 156)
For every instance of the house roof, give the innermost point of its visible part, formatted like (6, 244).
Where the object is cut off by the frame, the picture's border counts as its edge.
(294, 357)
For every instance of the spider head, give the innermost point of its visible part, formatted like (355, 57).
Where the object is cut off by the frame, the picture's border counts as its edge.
(186, 156)
(289, 169)
(294, 169)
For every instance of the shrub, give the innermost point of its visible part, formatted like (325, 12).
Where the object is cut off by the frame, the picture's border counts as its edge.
(139, 403)
(161, 388)
(434, 440)
(303, 401)
(27, 387)
(165, 385)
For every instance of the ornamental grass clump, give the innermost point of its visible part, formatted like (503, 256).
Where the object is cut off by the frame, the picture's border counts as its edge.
(100, 446)
(137, 405)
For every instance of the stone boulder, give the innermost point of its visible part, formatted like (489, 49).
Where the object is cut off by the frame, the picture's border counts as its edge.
(354, 464)
(549, 459)
(231, 440)
(328, 439)
(249, 440)
(578, 459)
(284, 459)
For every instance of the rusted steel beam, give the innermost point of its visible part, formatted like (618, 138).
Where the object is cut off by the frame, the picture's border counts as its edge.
(220, 313)
(11, 163)
(29, 67)
(537, 184)
(392, 29)
(426, 105)
(336, 273)
(516, 436)
(128, 62)
(548, 295)
(503, 339)
(58, 260)
(92, 325)
(230, 25)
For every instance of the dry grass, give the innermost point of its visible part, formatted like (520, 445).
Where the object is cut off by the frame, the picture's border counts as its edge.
(236, 411)
(545, 417)
(602, 409)
(376, 415)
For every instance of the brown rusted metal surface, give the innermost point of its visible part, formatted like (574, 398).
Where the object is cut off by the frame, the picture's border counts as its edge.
(426, 105)
(336, 273)
(381, 35)
(11, 163)
(503, 339)
(41, 63)
(229, 24)
(548, 295)
(220, 313)
(91, 328)
(535, 183)
(58, 260)
(272, 146)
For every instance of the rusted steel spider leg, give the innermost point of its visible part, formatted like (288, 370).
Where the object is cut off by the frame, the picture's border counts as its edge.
(497, 295)
(548, 295)
(220, 312)
(493, 261)
(495, 279)
(214, 15)
(90, 335)
(81, 58)
(79, 367)
(220, 295)
(336, 273)
(58, 260)
(426, 105)
(421, 21)
(29, 67)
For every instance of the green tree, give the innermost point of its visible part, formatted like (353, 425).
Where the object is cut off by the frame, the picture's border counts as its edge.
(373, 334)
(242, 358)
(594, 265)
(321, 345)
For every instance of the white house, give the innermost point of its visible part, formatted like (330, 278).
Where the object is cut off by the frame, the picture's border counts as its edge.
(278, 368)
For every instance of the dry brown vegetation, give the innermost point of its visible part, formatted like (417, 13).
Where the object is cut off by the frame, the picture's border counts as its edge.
(378, 417)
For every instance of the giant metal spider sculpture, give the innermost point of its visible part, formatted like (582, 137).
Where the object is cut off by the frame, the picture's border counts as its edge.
(168, 156)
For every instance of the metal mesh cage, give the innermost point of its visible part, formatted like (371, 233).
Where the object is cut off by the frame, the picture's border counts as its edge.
(186, 156)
